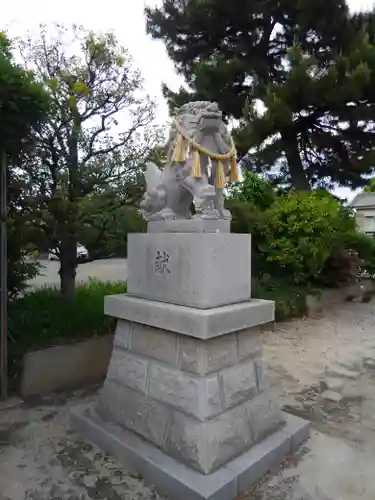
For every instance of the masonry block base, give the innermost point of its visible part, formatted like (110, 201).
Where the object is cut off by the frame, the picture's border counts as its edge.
(203, 402)
(174, 479)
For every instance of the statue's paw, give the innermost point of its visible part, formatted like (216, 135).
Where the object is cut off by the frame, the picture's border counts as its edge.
(165, 214)
(225, 214)
(207, 213)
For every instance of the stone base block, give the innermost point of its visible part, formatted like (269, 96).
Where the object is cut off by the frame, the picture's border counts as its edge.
(199, 323)
(174, 479)
(201, 270)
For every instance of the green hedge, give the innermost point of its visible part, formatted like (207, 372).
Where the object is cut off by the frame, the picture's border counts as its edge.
(44, 318)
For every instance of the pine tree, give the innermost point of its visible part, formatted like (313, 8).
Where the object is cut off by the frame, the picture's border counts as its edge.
(313, 128)
(287, 58)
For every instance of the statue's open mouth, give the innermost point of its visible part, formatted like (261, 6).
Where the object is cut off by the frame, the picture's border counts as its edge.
(210, 120)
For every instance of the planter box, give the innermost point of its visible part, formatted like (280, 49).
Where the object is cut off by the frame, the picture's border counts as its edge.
(66, 367)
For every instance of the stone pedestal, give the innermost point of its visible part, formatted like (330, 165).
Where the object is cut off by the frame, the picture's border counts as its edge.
(199, 270)
(187, 398)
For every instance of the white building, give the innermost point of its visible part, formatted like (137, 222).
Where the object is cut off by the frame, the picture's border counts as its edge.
(364, 205)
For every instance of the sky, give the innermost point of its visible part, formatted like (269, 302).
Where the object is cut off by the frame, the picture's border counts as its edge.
(126, 19)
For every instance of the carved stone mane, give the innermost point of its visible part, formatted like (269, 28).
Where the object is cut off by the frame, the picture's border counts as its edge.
(188, 117)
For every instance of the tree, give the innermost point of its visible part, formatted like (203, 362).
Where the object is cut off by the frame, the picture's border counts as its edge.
(158, 155)
(22, 107)
(105, 235)
(23, 103)
(258, 55)
(370, 188)
(83, 151)
(313, 128)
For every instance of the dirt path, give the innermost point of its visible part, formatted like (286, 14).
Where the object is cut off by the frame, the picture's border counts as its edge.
(41, 458)
(304, 348)
(104, 270)
(326, 363)
(324, 370)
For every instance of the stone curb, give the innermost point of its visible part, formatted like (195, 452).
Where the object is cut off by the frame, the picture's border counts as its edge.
(66, 367)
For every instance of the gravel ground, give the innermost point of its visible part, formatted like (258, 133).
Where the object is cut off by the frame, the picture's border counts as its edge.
(323, 369)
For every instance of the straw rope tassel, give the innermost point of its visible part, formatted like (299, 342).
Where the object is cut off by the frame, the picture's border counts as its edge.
(234, 177)
(179, 155)
(196, 166)
(220, 176)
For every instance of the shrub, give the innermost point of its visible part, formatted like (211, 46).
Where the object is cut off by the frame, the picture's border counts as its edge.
(341, 268)
(304, 238)
(364, 247)
(303, 230)
(254, 190)
(44, 318)
(370, 188)
(290, 300)
(246, 218)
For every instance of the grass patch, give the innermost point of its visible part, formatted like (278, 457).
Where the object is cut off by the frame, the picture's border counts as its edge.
(44, 318)
(290, 300)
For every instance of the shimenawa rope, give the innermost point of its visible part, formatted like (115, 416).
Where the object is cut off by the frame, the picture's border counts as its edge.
(179, 156)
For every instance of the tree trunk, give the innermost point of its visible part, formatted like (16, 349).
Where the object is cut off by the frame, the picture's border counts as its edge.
(298, 176)
(68, 245)
(3, 276)
(68, 265)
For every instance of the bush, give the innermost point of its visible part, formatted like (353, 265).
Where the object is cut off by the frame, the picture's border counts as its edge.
(290, 300)
(246, 218)
(248, 201)
(306, 239)
(44, 318)
(254, 190)
(304, 230)
(364, 247)
(342, 268)
(370, 188)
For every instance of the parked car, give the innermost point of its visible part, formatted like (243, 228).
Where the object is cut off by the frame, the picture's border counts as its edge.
(82, 253)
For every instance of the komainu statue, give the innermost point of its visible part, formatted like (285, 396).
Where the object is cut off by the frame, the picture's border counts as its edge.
(201, 155)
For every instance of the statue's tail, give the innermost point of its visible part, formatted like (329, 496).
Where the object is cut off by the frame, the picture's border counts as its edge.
(153, 176)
